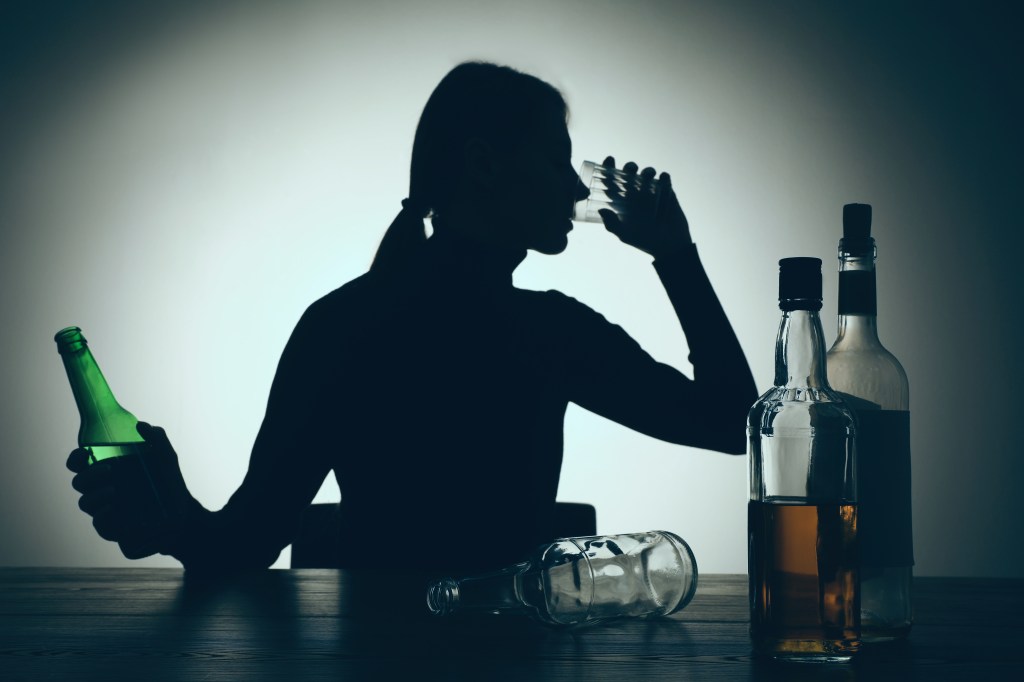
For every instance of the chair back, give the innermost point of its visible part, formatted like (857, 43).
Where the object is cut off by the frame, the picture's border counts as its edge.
(315, 544)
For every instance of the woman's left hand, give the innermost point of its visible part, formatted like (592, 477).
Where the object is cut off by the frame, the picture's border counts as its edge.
(666, 233)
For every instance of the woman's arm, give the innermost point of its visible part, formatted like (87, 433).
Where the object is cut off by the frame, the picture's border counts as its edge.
(609, 373)
(722, 381)
(287, 466)
(616, 378)
(289, 462)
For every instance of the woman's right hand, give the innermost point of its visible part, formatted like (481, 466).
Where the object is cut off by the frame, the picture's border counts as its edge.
(666, 232)
(139, 502)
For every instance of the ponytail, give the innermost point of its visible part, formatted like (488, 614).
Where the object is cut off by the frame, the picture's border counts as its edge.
(403, 238)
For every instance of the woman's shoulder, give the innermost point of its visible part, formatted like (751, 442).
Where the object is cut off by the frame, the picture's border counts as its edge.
(345, 294)
(559, 307)
(350, 300)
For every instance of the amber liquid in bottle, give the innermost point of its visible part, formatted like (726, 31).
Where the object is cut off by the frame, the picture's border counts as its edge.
(803, 569)
(803, 558)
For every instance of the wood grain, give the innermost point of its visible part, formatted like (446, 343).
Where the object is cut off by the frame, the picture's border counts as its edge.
(315, 624)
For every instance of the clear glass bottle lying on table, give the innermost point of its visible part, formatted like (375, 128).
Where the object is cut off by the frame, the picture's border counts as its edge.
(581, 580)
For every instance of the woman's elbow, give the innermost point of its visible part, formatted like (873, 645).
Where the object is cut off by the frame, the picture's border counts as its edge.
(727, 441)
(727, 430)
(735, 446)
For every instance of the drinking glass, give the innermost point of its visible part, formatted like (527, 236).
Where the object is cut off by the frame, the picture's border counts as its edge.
(631, 196)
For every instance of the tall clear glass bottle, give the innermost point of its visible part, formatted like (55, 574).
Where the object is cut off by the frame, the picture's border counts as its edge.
(872, 381)
(802, 514)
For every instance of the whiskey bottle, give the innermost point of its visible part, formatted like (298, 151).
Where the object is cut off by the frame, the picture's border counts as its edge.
(802, 514)
(872, 381)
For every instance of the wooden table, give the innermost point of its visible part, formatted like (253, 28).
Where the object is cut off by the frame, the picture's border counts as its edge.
(151, 624)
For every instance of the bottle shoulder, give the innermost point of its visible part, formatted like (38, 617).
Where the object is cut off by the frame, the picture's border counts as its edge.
(114, 425)
(783, 409)
(801, 395)
(874, 376)
(875, 355)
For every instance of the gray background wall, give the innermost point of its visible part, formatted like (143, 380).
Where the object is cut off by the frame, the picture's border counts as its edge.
(181, 181)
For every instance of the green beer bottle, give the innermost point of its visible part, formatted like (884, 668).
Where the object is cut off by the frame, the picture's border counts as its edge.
(107, 430)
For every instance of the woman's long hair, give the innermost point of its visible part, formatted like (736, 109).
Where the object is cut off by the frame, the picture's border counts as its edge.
(490, 102)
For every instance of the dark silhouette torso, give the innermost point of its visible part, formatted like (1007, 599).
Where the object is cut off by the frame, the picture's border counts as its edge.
(437, 396)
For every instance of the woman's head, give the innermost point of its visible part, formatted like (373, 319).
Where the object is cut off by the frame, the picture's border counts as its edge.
(493, 142)
(476, 101)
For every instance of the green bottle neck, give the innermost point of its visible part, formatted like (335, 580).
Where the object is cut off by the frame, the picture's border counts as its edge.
(104, 421)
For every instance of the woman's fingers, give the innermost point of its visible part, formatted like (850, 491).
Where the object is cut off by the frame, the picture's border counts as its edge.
(611, 221)
(153, 435)
(630, 167)
(96, 502)
(137, 537)
(78, 460)
(94, 477)
(108, 525)
(139, 549)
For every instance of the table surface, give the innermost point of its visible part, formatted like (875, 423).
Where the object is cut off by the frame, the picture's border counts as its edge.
(153, 624)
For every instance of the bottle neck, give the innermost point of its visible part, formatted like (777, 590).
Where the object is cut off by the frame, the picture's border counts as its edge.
(858, 330)
(103, 420)
(90, 388)
(858, 321)
(495, 591)
(800, 351)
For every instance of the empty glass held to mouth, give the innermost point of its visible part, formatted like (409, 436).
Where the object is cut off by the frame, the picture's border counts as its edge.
(631, 196)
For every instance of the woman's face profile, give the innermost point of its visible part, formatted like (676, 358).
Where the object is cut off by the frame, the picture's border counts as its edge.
(542, 187)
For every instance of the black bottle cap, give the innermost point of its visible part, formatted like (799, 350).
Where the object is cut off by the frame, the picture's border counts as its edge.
(856, 220)
(800, 283)
(857, 239)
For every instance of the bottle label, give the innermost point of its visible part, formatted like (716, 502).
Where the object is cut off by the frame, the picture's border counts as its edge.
(884, 525)
(857, 293)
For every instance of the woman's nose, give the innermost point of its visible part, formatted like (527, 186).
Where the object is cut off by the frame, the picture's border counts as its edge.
(582, 192)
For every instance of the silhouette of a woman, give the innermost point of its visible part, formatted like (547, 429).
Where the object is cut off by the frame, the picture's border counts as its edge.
(433, 388)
